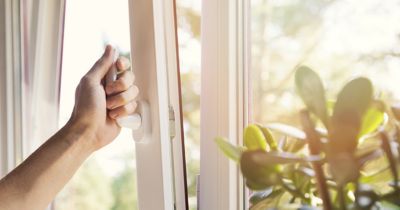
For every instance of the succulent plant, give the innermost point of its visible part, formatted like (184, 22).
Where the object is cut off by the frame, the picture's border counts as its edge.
(344, 156)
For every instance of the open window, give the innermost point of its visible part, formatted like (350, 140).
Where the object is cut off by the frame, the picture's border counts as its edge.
(40, 37)
(148, 173)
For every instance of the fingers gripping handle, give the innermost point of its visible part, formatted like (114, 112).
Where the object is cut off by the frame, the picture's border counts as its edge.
(140, 122)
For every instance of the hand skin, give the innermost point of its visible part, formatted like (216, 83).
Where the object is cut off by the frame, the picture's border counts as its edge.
(35, 182)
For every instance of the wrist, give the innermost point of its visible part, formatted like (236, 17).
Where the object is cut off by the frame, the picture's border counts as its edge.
(82, 134)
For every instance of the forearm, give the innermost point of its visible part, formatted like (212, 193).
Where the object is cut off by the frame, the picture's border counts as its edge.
(34, 183)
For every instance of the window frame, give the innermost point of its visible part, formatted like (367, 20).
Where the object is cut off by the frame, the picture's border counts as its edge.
(161, 172)
(225, 100)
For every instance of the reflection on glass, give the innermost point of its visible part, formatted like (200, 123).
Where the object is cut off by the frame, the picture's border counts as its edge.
(106, 181)
(339, 39)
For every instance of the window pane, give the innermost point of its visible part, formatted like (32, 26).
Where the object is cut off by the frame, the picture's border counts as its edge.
(188, 13)
(339, 39)
(107, 179)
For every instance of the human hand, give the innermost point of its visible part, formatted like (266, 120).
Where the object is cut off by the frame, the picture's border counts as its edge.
(96, 107)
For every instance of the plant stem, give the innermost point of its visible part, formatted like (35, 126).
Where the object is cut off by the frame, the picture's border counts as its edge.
(342, 198)
(390, 156)
(314, 146)
(294, 192)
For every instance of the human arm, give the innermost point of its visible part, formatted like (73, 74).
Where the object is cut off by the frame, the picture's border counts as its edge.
(34, 183)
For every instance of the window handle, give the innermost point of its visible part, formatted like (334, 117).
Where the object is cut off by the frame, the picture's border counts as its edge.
(140, 123)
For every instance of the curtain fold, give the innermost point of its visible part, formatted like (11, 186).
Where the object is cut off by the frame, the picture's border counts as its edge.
(42, 38)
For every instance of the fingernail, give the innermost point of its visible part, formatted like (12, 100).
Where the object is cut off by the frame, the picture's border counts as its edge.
(107, 50)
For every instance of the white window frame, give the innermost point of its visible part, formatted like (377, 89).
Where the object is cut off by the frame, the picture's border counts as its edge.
(224, 100)
(160, 167)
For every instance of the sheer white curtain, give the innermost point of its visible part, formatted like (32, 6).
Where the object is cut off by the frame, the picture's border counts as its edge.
(42, 32)
(30, 68)
(10, 80)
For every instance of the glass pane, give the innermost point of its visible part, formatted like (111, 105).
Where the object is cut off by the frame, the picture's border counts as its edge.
(339, 39)
(107, 179)
(188, 13)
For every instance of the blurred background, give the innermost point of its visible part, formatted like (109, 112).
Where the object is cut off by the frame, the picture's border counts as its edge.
(107, 179)
(340, 39)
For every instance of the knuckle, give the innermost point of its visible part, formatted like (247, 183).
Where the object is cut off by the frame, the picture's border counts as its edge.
(126, 109)
(123, 84)
(123, 63)
(122, 98)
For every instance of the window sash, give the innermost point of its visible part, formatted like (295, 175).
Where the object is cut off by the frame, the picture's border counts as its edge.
(160, 160)
(224, 97)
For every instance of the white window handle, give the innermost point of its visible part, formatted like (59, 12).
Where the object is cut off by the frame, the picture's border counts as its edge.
(140, 122)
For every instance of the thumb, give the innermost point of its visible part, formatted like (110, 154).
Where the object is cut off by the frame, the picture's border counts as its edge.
(101, 67)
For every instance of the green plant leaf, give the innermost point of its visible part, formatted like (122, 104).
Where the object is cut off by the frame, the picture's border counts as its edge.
(396, 111)
(351, 105)
(268, 201)
(257, 186)
(267, 158)
(388, 148)
(368, 155)
(366, 197)
(311, 90)
(293, 146)
(373, 118)
(383, 175)
(344, 168)
(258, 196)
(231, 151)
(388, 205)
(287, 130)
(259, 174)
(301, 178)
(355, 96)
(269, 138)
(392, 198)
(254, 138)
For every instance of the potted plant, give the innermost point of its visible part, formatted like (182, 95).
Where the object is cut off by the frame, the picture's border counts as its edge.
(344, 156)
